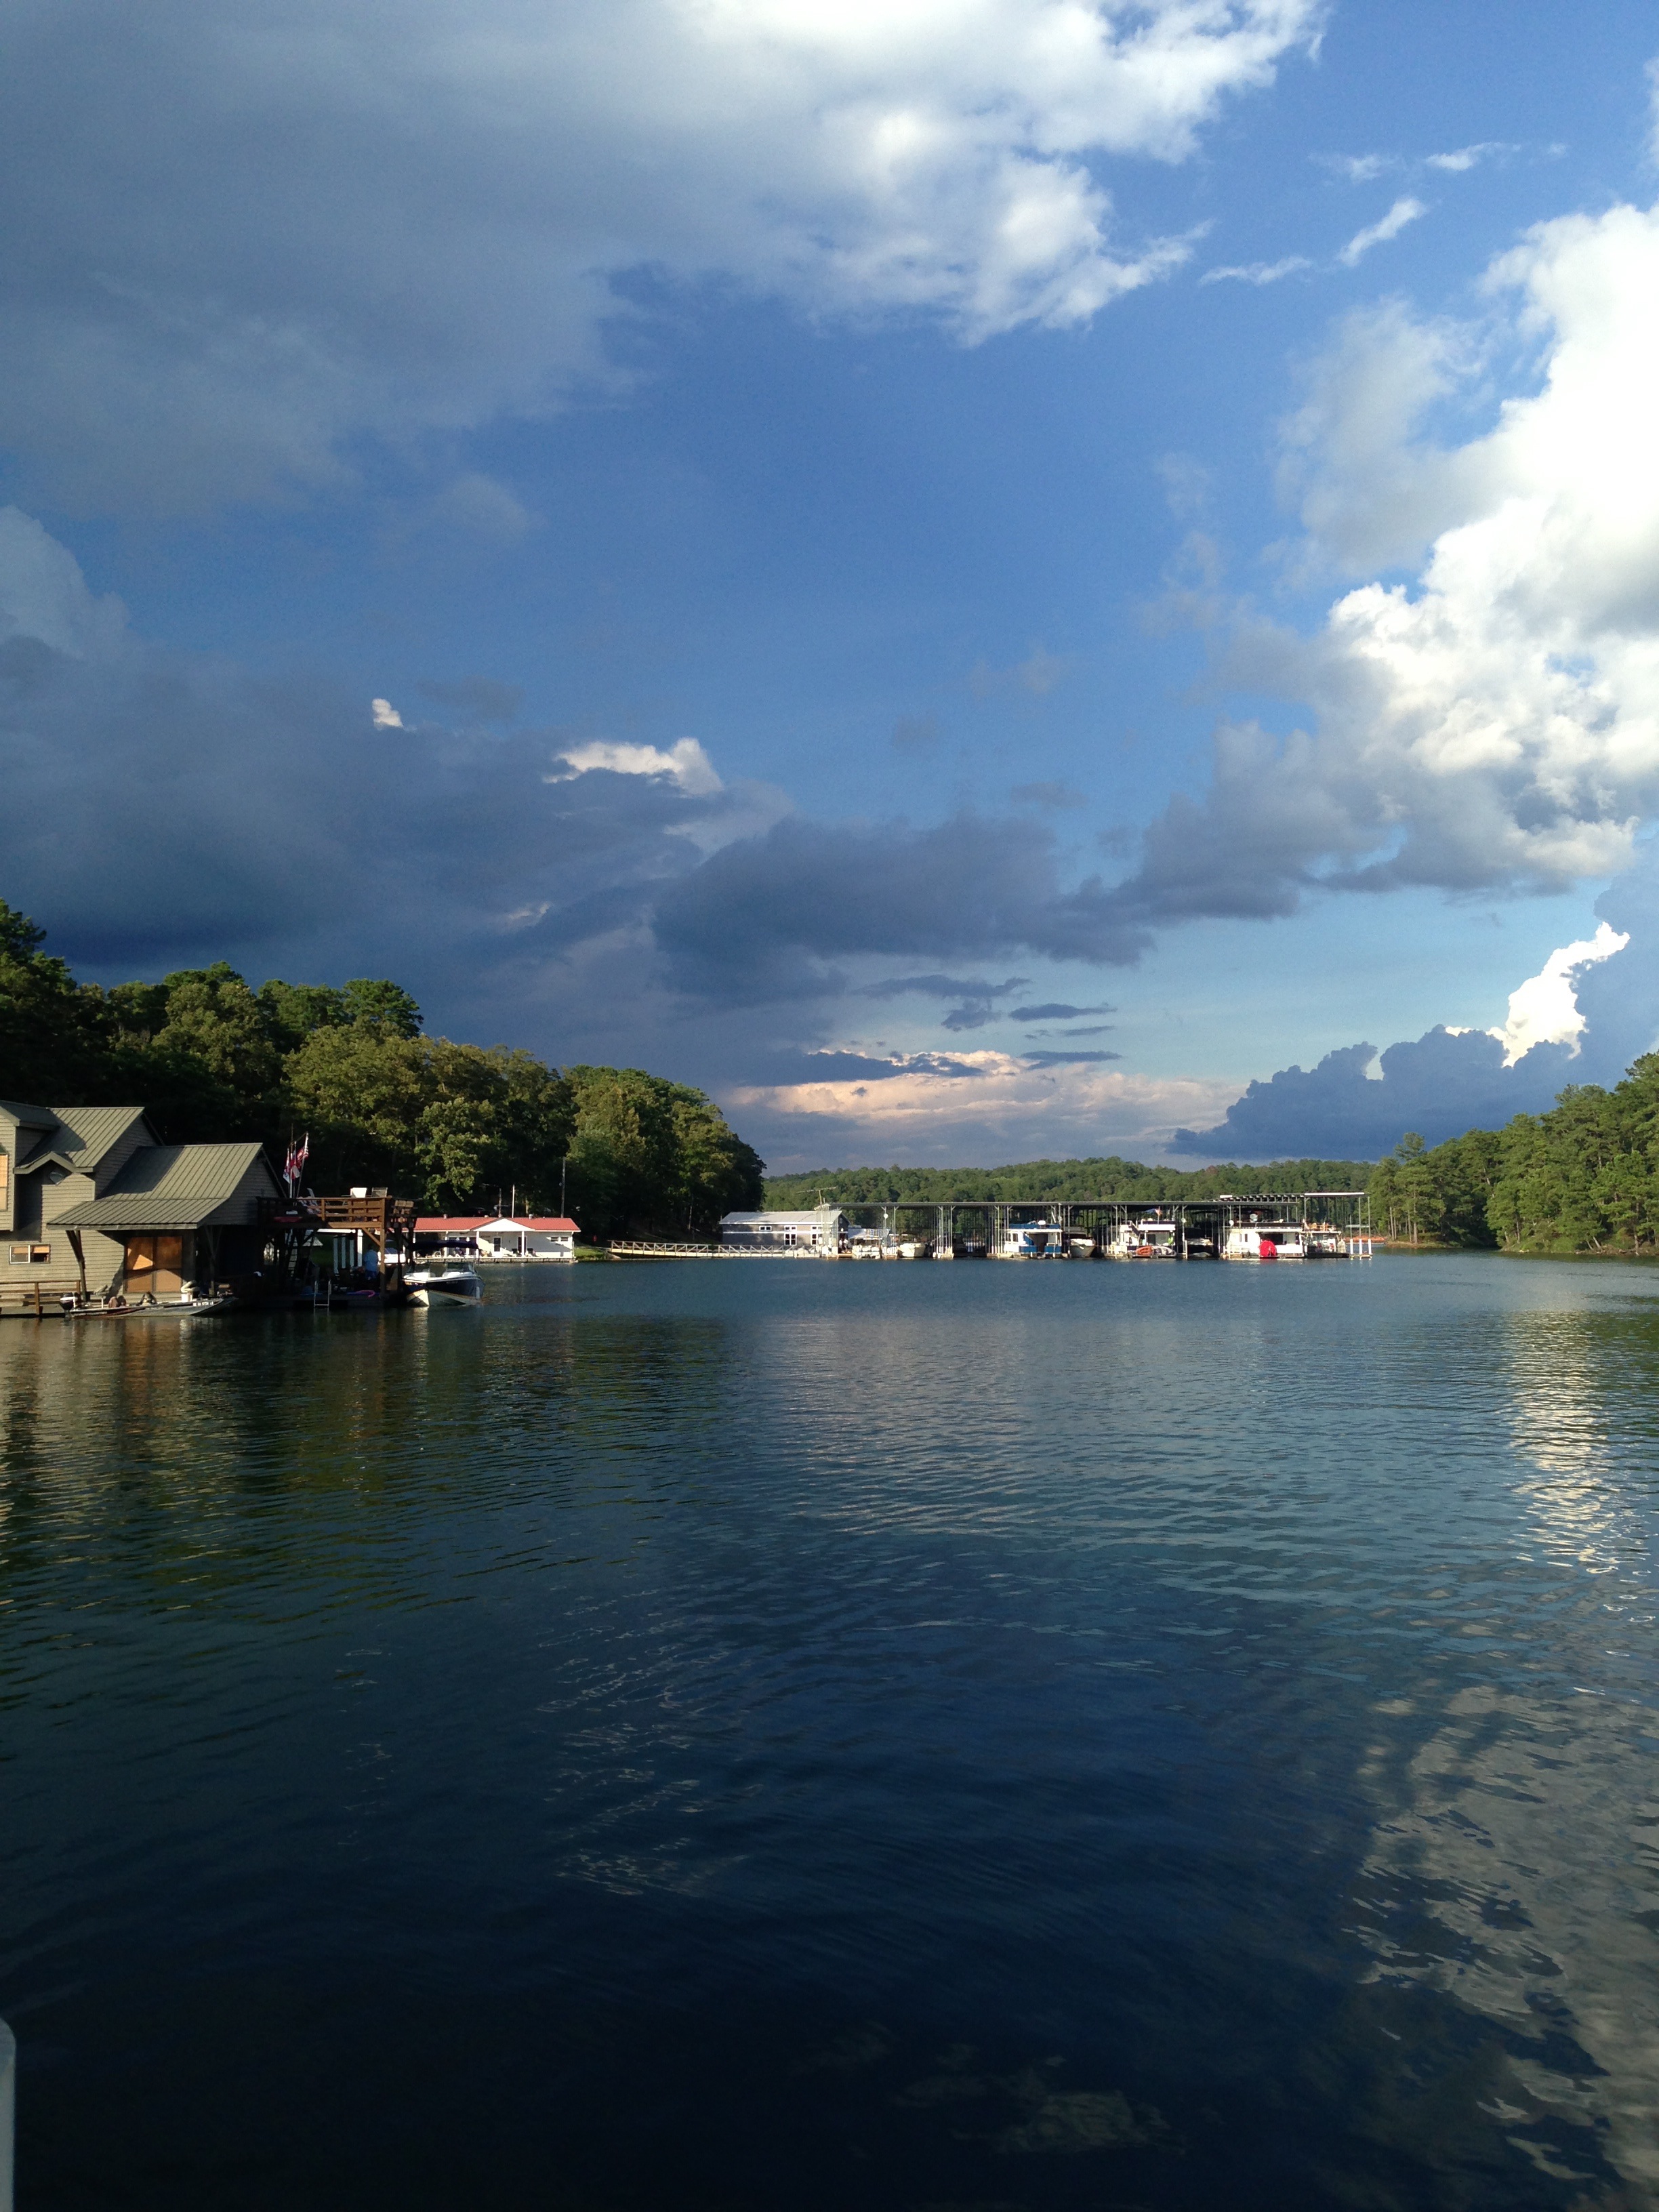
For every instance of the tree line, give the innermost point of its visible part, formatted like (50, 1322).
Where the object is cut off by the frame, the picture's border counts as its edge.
(459, 1127)
(1064, 1180)
(1584, 1177)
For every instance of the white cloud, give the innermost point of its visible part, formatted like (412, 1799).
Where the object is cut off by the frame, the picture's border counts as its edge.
(1544, 1010)
(1495, 722)
(685, 761)
(1258, 272)
(1464, 158)
(1390, 226)
(1357, 168)
(386, 715)
(236, 239)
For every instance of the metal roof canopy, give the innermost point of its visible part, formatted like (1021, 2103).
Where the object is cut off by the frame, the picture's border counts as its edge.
(167, 1188)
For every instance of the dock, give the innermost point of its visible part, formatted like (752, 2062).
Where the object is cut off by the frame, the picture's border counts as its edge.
(1324, 1223)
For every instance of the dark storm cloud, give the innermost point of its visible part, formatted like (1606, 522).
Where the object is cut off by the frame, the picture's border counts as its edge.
(764, 916)
(940, 986)
(791, 1066)
(161, 808)
(1439, 1085)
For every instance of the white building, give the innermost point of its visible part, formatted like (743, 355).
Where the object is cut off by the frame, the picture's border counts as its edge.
(529, 1237)
(814, 1235)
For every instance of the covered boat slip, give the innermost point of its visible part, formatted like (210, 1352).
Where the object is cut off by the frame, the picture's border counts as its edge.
(1311, 1225)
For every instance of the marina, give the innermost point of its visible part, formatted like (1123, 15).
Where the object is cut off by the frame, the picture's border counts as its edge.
(1258, 1227)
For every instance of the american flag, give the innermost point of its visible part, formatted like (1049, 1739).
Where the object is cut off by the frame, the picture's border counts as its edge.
(294, 1165)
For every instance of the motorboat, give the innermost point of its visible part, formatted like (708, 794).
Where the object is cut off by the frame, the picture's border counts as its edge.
(443, 1287)
(1151, 1238)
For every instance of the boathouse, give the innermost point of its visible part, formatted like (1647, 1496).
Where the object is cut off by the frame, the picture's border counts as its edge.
(527, 1237)
(818, 1231)
(91, 1202)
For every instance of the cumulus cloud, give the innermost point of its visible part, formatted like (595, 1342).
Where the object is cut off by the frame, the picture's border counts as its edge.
(1495, 724)
(1387, 227)
(685, 763)
(1544, 1010)
(1440, 1084)
(1357, 1103)
(234, 242)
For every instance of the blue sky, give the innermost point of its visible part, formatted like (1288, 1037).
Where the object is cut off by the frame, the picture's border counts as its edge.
(861, 394)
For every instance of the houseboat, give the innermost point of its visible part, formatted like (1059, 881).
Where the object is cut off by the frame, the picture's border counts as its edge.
(1032, 1240)
(1149, 1239)
(1268, 1240)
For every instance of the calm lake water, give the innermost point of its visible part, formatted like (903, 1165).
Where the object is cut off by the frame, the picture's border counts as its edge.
(719, 1738)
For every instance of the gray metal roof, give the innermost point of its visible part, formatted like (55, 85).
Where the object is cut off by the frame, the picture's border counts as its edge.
(172, 1186)
(75, 1137)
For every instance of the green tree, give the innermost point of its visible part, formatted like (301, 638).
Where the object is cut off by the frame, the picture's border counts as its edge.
(52, 1030)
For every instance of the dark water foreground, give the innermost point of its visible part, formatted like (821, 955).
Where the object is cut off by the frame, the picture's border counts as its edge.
(796, 1736)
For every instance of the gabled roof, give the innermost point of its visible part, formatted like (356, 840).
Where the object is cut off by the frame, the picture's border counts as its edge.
(456, 1224)
(32, 1117)
(73, 1137)
(169, 1187)
(540, 1221)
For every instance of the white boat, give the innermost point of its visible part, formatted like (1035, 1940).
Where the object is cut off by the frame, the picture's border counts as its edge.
(1149, 1239)
(1272, 1240)
(442, 1286)
(1032, 1240)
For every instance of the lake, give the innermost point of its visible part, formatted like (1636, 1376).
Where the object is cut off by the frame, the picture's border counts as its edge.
(721, 1737)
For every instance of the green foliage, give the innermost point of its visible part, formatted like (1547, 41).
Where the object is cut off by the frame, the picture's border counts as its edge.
(51, 1029)
(1066, 1179)
(459, 1127)
(647, 1154)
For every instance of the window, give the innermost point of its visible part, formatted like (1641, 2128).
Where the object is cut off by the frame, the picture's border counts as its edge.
(30, 1255)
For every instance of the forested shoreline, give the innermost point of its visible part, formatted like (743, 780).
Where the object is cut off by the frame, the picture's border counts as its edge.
(1584, 1177)
(1110, 1177)
(459, 1127)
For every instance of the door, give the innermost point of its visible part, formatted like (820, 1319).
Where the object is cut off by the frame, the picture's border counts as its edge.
(155, 1266)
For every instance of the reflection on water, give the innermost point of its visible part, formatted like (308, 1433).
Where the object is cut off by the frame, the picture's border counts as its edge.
(1515, 1867)
(948, 1737)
